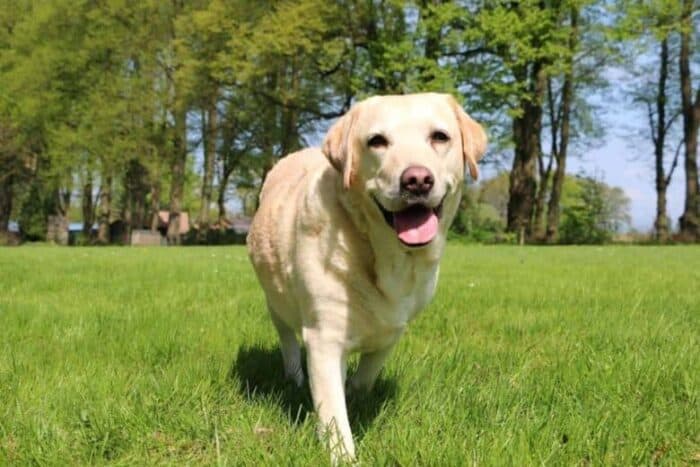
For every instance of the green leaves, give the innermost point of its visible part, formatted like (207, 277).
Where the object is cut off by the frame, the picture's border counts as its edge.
(94, 86)
(592, 211)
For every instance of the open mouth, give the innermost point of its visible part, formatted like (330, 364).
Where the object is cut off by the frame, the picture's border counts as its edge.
(416, 225)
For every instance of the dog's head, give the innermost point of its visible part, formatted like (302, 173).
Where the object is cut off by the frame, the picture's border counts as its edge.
(407, 155)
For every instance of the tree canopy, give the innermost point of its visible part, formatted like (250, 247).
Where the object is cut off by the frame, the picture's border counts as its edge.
(116, 111)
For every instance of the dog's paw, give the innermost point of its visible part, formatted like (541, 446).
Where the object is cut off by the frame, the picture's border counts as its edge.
(342, 455)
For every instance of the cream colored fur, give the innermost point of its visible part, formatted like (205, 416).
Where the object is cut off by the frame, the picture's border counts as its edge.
(333, 271)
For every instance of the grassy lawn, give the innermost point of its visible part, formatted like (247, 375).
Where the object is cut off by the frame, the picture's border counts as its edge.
(556, 356)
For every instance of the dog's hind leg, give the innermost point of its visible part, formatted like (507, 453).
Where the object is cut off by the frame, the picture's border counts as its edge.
(371, 365)
(291, 352)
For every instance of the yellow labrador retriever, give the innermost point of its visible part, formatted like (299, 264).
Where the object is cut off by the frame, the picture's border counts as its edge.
(348, 239)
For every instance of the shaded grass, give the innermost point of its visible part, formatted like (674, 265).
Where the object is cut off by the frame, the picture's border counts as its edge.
(527, 356)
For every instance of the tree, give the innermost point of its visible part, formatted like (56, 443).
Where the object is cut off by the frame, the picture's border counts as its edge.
(662, 112)
(536, 36)
(477, 220)
(690, 220)
(558, 114)
(659, 29)
(42, 77)
(204, 34)
(15, 159)
(521, 50)
(15, 170)
(291, 67)
(494, 192)
(660, 127)
(560, 126)
(593, 212)
(113, 103)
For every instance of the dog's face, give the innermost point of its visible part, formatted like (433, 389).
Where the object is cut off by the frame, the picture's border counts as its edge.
(406, 157)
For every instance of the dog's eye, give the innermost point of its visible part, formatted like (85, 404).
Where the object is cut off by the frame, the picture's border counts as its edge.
(378, 141)
(438, 136)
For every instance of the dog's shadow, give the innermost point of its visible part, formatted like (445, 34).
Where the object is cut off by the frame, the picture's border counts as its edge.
(258, 372)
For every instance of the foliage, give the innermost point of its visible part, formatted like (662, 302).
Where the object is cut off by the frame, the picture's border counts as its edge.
(110, 104)
(32, 217)
(480, 218)
(593, 212)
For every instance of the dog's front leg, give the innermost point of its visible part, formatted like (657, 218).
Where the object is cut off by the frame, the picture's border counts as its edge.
(326, 364)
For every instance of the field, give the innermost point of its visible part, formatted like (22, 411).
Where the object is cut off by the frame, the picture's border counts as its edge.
(557, 356)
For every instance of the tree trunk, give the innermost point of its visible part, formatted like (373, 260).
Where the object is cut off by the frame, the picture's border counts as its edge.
(155, 199)
(88, 208)
(221, 198)
(6, 199)
(540, 202)
(137, 188)
(128, 207)
(267, 166)
(57, 229)
(62, 226)
(690, 220)
(553, 208)
(209, 136)
(526, 135)
(103, 236)
(661, 222)
(545, 173)
(179, 162)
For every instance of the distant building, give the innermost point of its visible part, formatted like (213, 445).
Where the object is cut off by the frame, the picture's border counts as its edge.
(75, 233)
(143, 237)
(77, 227)
(12, 237)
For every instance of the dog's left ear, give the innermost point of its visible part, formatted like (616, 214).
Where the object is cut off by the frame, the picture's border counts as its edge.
(338, 146)
(474, 139)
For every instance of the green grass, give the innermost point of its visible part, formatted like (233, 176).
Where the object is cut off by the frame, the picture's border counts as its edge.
(555, 356)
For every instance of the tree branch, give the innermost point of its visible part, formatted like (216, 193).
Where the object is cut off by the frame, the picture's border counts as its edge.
(326, 115)
(671, 120)
(667, 180)
(652, 124)
(469, 53)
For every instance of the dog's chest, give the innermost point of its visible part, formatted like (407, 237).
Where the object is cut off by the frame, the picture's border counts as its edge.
(402, 290)
(407, 287)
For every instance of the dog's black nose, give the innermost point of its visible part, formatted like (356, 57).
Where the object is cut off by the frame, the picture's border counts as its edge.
(417, 180)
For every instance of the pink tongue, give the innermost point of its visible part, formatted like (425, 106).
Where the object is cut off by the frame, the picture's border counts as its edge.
(416, 225)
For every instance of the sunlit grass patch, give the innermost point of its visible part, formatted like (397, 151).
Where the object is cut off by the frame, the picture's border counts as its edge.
(526, 356)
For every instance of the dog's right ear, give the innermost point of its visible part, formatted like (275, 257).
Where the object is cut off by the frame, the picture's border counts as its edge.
(338, 146)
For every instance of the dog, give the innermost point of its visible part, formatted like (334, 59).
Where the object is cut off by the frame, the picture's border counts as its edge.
(347, 239)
